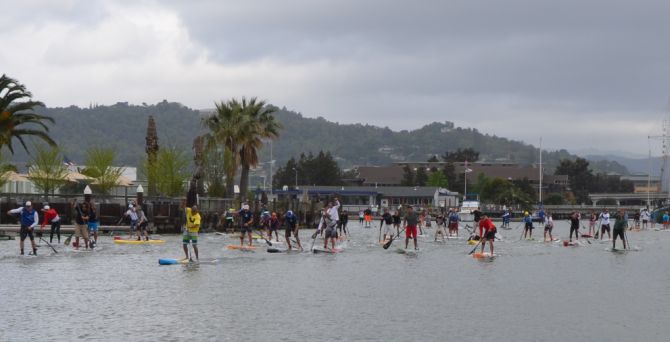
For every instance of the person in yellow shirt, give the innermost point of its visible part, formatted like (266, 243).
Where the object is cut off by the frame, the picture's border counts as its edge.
(191, 231)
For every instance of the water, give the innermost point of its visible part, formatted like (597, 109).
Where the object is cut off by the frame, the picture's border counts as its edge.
(531, 292)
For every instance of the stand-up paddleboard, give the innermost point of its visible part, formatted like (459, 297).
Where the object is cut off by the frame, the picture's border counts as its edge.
(119, 241)
(453, 237)
(168, 261)
(327, 250)
(484, 256)
(242, 248)
(567, 243)
(263, 241)
(276, 250)
(550, 241)
(409, 252)
(588, 236)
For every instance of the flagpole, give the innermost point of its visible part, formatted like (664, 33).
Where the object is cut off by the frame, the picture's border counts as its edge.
(465, 176)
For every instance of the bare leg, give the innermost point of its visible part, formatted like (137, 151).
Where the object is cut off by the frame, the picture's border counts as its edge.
(195, 249)
(185, 251)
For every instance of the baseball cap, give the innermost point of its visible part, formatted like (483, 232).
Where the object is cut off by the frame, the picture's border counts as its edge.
(46, 207)
(28, 204)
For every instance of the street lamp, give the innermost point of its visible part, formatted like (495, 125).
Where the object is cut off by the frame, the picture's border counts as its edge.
(296, 177)
(140, 195)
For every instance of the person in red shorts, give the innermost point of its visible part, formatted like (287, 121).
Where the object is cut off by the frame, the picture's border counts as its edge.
(487, 230)
(411, 219)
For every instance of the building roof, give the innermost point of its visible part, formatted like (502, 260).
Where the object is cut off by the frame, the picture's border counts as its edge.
(387, 175)
(385, 191)
(509, 171)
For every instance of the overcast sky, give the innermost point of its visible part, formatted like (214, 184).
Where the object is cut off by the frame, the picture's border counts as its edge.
(581, 74)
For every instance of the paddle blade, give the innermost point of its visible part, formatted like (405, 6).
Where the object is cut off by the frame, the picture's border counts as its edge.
(315, 234)
(67, 241)
(388, 244)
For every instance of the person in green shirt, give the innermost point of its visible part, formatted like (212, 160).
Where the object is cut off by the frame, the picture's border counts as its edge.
(620, 224)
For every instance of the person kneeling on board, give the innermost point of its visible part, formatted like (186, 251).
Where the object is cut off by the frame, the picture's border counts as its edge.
(291, 221)
(487, 230)
(28, 218)
(411, 220)
(620, 223)
(191, 231)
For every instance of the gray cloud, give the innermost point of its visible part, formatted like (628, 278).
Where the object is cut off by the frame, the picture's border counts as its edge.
(578, 73)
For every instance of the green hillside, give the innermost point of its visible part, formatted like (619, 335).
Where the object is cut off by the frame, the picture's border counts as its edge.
(123, 127)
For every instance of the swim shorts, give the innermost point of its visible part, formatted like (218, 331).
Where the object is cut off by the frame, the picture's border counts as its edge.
(619, 233)
(81, 230)
(331, 233)
(410, 232)
(26, 232)
(490, 235)
(191, 237)
(93, 227)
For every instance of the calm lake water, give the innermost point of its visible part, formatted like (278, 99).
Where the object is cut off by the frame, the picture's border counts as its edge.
(532, 292)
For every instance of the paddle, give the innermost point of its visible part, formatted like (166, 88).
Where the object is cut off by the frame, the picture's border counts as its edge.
(477, 245)
(388, 244)
(263, 237)
(380, 230)
(48, 244)
(67, 241)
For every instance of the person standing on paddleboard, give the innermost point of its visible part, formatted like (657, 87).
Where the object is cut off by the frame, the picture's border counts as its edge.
(142, 224)
(453, 222)
(342, 226)
(620, 223)
(410, 222)
(274, 226)
(645, 218)
(132, 214)
(331, 230)
(439, 229)
(605, 224)
(487, 230)
(92, 224)
(388, 231)
(592, 223)
(574, 225)
(291, 221)
(528, 228)
(81, 224)
(548, 227)
(28, 218)
(334, 211)
(246, 222)
(477, 214)
(191, 232)
(505, 218)
(51, 217)
(396, 222)
(666, 220)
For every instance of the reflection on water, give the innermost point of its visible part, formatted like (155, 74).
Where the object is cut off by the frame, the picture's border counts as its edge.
(532, 291)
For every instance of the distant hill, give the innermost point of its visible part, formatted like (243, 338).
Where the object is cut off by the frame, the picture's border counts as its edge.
(123, 127)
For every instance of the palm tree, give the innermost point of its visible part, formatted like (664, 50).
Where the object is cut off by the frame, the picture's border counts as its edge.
(17, 119)
(258, 124)
(224, 131)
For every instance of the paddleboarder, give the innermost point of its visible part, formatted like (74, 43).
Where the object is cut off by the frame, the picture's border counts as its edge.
(605, 224)
(453, 222)
(620, 223)
(487, 230)
(28, 218)
(274, 226)
(410, 221)
(397, 219)
(246, 222)
(440, 223)
(645, 218)
(331, 230)
(92, 224)
(593, 219)
(548, 227)
(291, 221)
(51, 217)
(342, 226)
(191, 232)
(81, 224)
(142, 224)
(528, 228)
(132, 214)
(506, 218)
(666, 220)
(574, 225)
(388, 219)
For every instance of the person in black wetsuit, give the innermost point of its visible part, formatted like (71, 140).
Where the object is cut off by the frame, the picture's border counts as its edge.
(574, 225)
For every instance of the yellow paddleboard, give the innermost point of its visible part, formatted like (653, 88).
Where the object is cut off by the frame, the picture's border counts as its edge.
(136, 242)
(242, 248)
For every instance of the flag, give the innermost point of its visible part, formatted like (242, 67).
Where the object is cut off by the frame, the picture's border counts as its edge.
(466, 167)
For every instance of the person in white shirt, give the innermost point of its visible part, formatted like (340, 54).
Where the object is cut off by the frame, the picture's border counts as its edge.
(604, 224)
(645, 218)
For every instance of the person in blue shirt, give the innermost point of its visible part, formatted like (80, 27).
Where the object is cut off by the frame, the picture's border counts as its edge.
(528, 229)
(541, 215)
(453, 223)
(246, 222)
(506, 217)
(291, 222)
(666, 220)
(28, 218)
